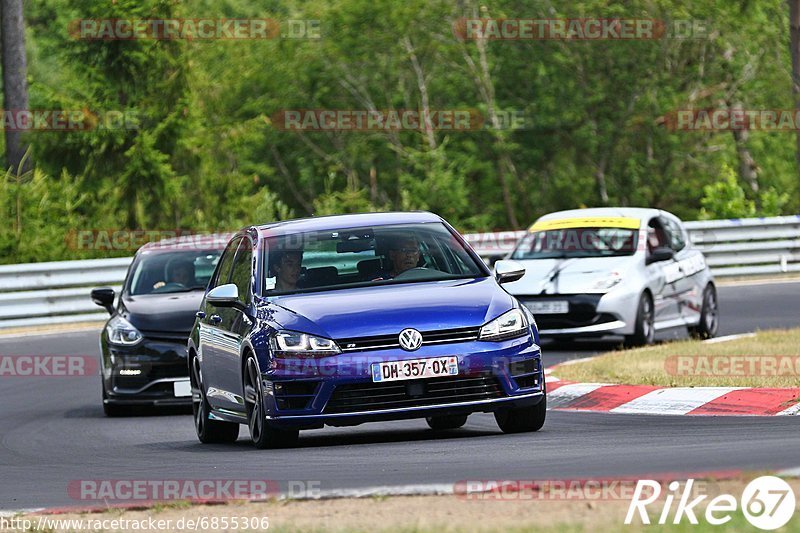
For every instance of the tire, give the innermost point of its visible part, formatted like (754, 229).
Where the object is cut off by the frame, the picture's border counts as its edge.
(645, 331)
(709, 316)
(522, 419)
(440, 423)
(261, 433)
(208, 431)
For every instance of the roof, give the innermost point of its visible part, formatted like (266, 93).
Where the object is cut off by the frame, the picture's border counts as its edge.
(642, 213)
(200, 241)
(335, 222)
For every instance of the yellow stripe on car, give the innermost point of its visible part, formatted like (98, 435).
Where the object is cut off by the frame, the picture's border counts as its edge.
(586, 222)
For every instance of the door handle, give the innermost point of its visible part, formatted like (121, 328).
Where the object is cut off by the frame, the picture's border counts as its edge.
(216, 319)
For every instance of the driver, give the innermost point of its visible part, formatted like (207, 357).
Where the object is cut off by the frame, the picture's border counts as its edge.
(180, 272)
(403, 254)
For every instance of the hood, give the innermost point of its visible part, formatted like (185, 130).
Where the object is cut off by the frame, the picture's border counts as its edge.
(162, 312)
(568, 276)
(388, 309)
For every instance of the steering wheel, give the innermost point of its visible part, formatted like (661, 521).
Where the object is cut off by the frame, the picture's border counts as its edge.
(170, 286)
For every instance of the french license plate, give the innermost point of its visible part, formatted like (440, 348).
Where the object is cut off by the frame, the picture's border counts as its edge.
(415, 369)
(182, 388)
(552, 307)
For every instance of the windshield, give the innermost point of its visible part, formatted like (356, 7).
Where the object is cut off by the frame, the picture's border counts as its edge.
(170, 272)
(577, 242)
(358, 257)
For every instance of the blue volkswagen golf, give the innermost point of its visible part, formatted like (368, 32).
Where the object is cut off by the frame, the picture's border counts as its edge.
(348, 319)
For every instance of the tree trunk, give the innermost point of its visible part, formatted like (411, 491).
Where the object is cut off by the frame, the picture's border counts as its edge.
(748, 170)
(15, 86)
(794, 45)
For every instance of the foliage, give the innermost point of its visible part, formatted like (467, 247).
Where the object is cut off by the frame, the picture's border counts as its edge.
(203, 147)
(725, 198)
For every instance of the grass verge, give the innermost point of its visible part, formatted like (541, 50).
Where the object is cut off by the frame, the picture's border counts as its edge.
(768, 359)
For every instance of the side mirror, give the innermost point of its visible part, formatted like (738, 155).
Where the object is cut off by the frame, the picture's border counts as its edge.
(506, 271)
(104, 297)
(660, 254)
(225, 296)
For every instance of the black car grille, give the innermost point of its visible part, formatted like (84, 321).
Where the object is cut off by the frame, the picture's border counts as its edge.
(358, 397)
(294, 394)
(167, 336)
(149, 372)
(380, 342)
(572, 321)
(525, 373)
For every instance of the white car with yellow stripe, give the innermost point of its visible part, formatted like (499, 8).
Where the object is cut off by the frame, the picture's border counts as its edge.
(614, 271)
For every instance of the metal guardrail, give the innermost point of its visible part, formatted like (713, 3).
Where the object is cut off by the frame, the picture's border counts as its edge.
(734, 247)
(58, 292)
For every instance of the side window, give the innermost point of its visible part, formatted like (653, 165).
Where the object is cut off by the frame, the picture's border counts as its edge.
(656, 235)
(225, 262)
(242, 271)
(677, 241)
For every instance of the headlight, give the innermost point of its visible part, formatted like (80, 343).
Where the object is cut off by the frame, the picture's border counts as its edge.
(507, 326)
(294, 343)
(122, 332)
(606, 283)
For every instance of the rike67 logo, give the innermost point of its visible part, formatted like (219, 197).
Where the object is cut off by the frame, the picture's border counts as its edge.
(767, 502)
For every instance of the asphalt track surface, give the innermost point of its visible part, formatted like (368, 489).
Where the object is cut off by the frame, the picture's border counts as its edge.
(52, 431)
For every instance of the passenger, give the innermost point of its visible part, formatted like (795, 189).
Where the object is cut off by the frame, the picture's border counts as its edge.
(287, 269)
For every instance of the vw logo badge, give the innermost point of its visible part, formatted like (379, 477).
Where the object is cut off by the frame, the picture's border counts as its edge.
(410, 339)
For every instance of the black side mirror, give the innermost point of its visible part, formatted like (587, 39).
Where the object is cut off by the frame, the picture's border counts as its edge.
(660, 254)
(104, 297)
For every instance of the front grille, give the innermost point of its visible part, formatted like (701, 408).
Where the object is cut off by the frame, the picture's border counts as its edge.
(380, 342)
(572, 320)
(150, 372)
(417, 393)
(294, 394)
(167, 336)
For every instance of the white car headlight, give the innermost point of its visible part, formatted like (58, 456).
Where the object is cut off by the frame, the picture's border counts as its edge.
(122, 332)
(294, 343)
(507, 326)
(608, 282)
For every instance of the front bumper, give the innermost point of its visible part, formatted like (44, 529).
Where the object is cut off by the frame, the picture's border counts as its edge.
(589, 315)
(147, 373)
(492, 376)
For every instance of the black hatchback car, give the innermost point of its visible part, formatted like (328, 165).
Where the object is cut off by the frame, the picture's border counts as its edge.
(143, 344)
